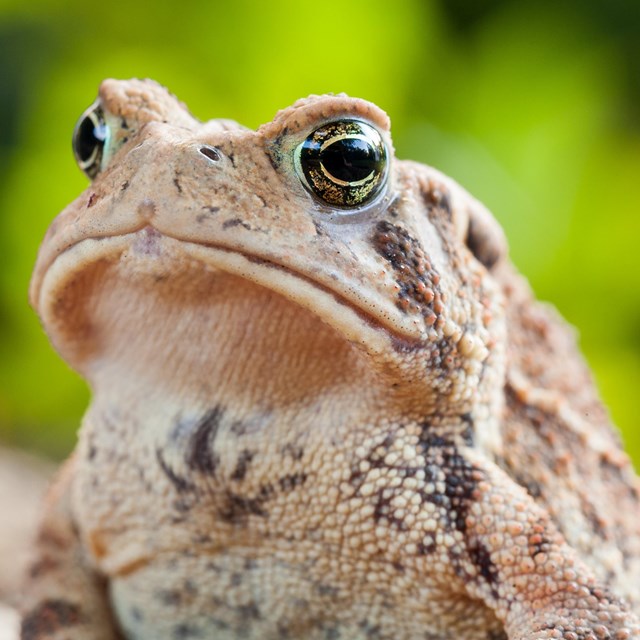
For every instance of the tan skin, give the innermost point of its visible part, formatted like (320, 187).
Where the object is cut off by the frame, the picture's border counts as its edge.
(324, 403)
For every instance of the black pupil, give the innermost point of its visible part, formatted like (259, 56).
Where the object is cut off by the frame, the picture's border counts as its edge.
(91, 134)
(350, 159)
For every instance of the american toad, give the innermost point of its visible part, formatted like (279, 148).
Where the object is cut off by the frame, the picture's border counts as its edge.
(325, 405)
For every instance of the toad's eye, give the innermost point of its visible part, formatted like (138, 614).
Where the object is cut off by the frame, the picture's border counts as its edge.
(90, 137)
(343, 163)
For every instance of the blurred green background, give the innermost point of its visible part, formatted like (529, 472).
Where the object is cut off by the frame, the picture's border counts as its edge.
(534, 107)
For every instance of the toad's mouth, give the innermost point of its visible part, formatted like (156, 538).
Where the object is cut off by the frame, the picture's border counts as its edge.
(92, 283)
(329, 293)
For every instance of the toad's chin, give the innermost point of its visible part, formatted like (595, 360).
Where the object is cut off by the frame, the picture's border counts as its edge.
(149, 304)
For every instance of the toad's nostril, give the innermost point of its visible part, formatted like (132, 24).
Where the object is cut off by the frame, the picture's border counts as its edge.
(210, 152)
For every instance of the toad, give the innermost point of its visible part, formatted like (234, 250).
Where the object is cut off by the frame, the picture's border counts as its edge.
(325, 404)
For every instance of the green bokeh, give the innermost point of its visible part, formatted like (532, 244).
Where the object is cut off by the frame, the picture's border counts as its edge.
(531, 106)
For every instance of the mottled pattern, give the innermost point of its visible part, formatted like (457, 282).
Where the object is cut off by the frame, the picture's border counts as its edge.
(311, 423)
(48, 618)
(418, 290)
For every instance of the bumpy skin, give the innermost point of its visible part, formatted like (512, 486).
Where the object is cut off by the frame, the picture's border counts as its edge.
(310, 423)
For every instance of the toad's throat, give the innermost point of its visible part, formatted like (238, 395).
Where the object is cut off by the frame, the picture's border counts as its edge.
(131, 299)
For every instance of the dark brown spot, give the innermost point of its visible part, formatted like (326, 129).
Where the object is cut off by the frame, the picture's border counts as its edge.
(242, 465)
(460, 478)
(124, 186)
(292, 480)
(210, 209)
(370, 630)
(383, 511)
(239, 428)
(93, 198)
(319, 228)
(176, 182)
(274, 151)
(200, 455)
(438, 199)
(181, 484)
(418, 283)
(538, 541)
(236, 579)
(392, 210)
(236, 508)
(48, 618)
(236, 222)
(293, 450)
(481, 559)
(532, 486)
(425, 549)
(468, 429)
